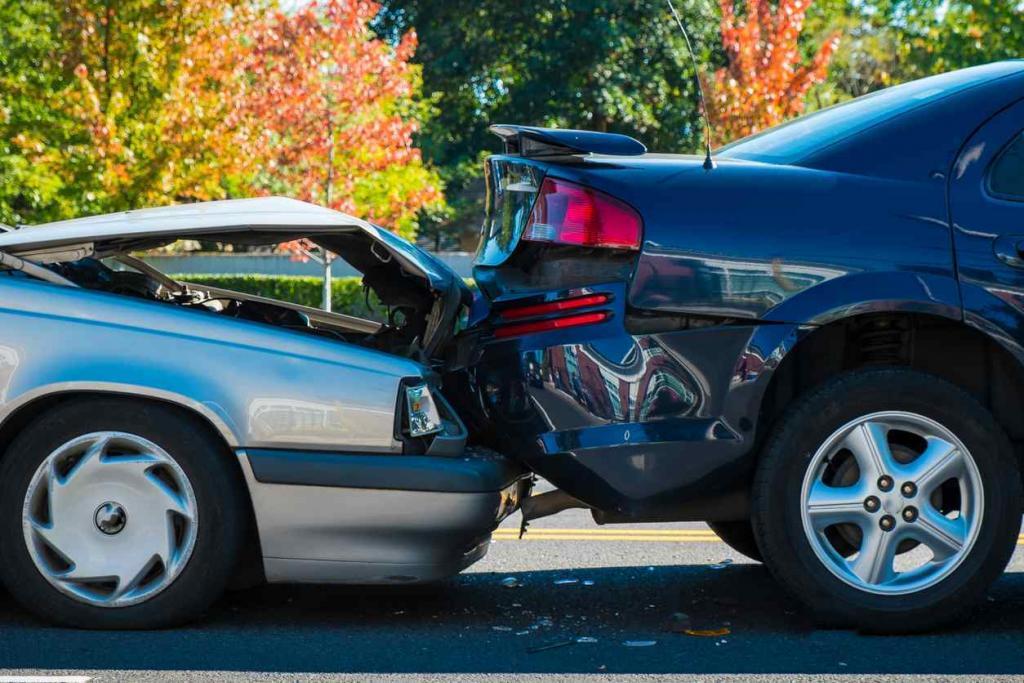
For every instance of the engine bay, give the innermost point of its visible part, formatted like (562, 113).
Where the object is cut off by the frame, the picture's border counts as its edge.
(400, 331)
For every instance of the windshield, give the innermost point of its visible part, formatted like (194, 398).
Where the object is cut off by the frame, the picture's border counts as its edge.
(797, 139)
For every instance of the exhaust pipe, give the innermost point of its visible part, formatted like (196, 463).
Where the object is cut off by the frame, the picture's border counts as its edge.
(545, 505)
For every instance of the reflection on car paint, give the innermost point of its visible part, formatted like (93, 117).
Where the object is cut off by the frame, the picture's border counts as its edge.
(297, 421)
(743, 288)
(643, 385)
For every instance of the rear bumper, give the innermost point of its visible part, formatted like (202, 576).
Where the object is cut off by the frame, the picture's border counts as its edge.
(343, 518)
(644, 427)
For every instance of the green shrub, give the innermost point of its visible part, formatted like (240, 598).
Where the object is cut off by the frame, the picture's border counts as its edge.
(347, 295)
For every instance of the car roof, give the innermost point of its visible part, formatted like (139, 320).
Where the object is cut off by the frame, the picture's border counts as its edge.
(261, 219)
(975, 90)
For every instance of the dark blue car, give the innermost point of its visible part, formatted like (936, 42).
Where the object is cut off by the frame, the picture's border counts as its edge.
(816, 346)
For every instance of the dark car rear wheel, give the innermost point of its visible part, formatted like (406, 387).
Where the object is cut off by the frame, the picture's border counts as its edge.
(887, 500)
(739, 536)
(118, 514)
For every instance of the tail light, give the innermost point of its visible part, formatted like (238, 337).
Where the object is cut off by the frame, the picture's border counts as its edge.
(567, 213)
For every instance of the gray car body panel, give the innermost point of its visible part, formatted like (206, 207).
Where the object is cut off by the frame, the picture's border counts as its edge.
(260, 386)
(319, 534)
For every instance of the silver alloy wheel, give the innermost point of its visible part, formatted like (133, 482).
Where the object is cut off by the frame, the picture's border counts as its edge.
(907, 487)
(110, 519)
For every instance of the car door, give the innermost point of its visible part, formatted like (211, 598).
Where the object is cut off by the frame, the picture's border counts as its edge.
(987, 211)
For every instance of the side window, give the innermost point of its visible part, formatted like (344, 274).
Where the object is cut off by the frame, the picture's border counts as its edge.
(1006, 177)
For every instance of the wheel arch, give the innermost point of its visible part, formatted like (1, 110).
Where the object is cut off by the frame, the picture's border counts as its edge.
(937, 344)
(23, 408)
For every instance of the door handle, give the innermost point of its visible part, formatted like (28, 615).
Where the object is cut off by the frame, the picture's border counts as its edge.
(1010, 250)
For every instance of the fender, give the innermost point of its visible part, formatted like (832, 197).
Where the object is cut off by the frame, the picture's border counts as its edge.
(872, 292)
(785, 326)
(211, 412)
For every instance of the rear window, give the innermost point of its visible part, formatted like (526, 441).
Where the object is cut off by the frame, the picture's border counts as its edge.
(799, 138)
(512, 186)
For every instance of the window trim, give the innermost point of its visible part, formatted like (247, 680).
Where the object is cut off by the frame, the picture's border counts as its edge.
(1018, 137)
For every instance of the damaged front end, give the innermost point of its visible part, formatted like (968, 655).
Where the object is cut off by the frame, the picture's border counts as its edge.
(358, 468)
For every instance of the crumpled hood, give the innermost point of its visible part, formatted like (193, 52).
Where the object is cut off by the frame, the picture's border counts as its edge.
(400, 273)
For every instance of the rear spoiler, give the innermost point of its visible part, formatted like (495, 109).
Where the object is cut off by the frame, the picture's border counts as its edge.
(530, 141)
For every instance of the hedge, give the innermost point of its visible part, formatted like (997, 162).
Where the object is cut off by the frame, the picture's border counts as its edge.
(347, 295)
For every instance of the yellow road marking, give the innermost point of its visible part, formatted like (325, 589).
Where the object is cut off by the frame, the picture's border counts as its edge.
(606, 532)
(614, 530)
(633, 535)
(631, 539)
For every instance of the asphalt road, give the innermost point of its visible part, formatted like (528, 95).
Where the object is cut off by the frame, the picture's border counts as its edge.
(474, 625)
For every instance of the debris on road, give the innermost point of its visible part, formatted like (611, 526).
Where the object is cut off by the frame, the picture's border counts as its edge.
(640, 643)
(511, 582)
(588, 582)
(566, 582)
(586, 639)
(707, 633)
(551, 646)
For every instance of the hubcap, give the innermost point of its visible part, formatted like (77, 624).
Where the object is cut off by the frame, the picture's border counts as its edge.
(892, 503)
(110, 519)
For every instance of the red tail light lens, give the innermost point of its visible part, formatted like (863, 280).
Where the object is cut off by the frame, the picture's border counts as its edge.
(548, 325)
(567, 213)
(520, 312)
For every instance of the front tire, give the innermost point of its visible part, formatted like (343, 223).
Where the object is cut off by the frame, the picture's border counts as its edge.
(118, 514)
(887, 500)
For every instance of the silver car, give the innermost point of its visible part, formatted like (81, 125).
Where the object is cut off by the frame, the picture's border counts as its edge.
(163, 439)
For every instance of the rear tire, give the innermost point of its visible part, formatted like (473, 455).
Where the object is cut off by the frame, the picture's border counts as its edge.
(739, 536)
(818, 511)
(129, 460)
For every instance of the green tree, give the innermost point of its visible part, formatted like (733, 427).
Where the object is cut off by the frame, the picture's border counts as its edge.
(892, 41)
(82, 88)
(616, 65)
(33, 124)
(957, 34)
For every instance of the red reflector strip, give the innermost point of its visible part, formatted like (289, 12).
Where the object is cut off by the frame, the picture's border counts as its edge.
(553, 324)
(520, 312)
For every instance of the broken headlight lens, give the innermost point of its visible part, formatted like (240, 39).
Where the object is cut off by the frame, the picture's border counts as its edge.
(422, 412)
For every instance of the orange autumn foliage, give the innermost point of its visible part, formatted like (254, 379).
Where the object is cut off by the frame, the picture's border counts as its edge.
(306, 103)
(767, 78)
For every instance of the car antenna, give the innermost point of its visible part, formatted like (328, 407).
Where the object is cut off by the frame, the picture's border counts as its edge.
(709, 163)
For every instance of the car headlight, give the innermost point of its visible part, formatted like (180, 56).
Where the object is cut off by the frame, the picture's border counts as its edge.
(422, 412)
